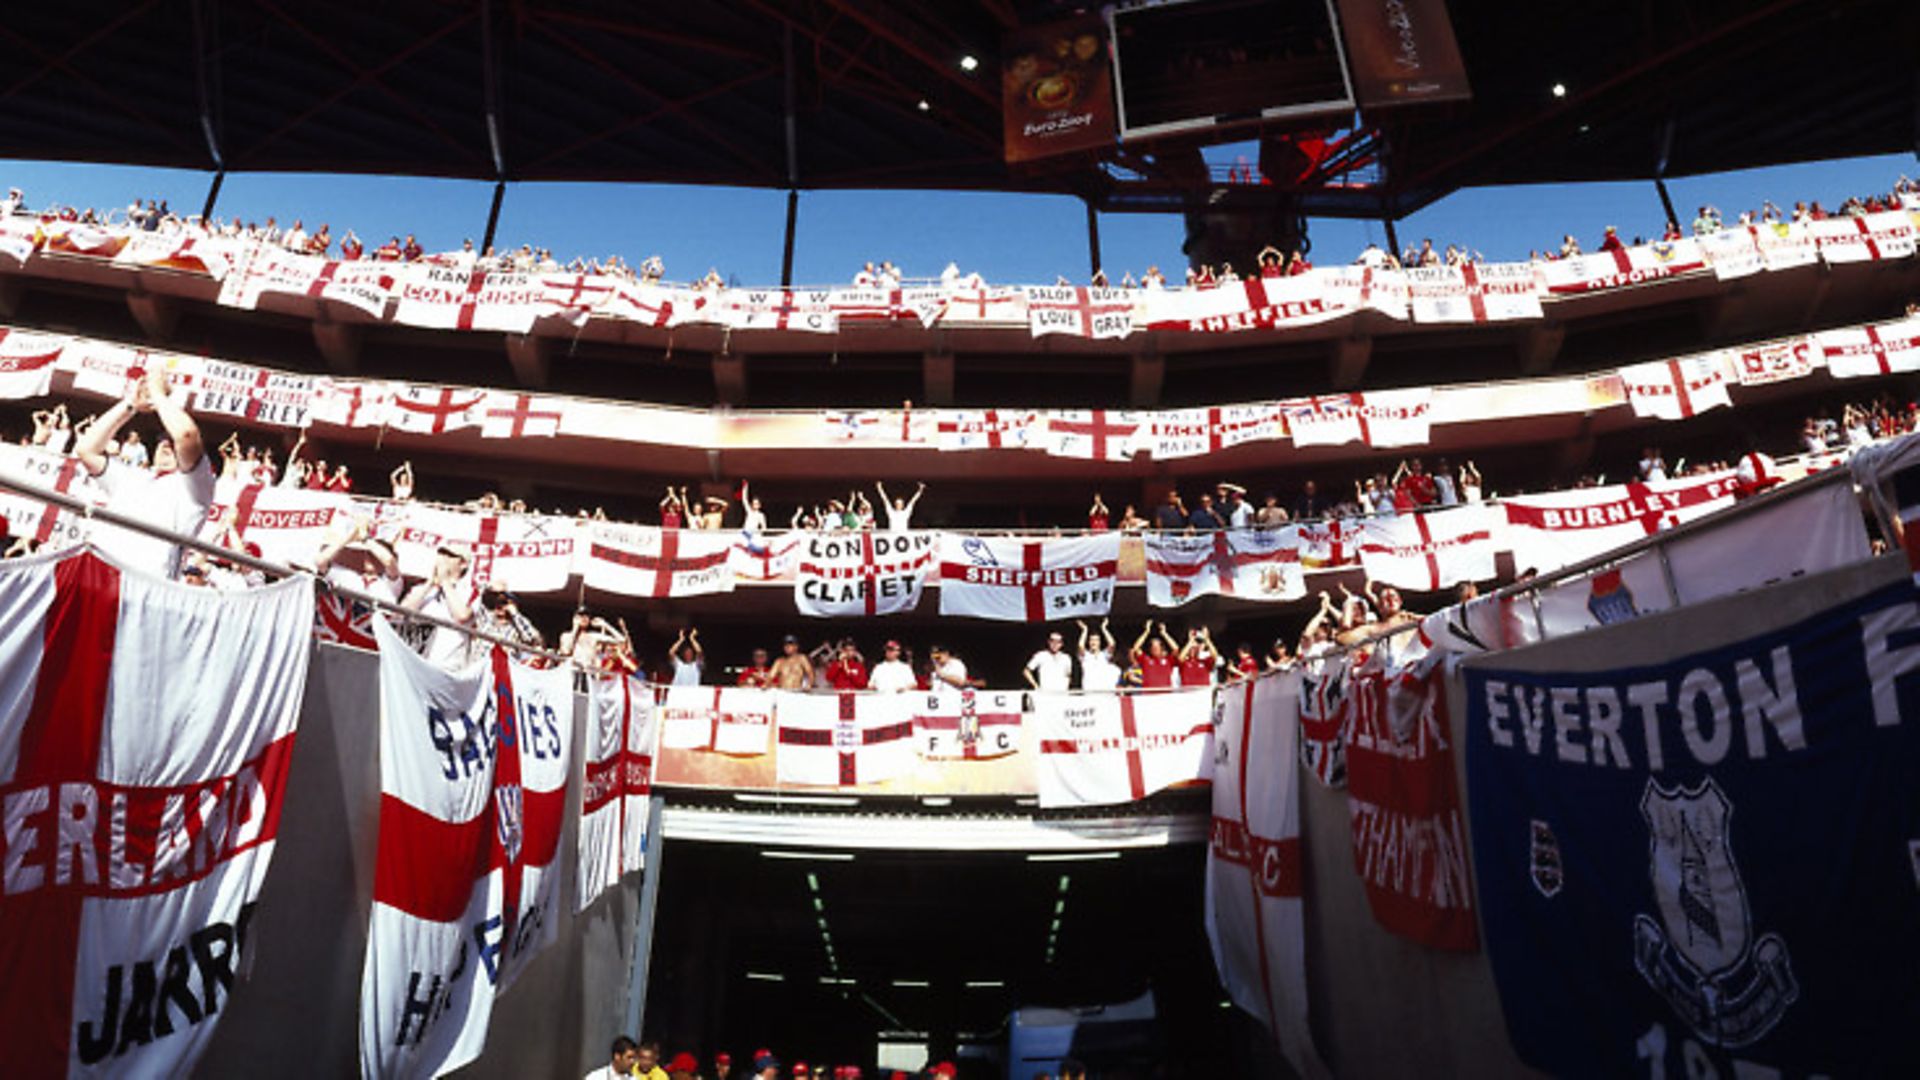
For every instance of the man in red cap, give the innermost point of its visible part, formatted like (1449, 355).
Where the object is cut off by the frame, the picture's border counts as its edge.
(684, 1066)
(723, 1066)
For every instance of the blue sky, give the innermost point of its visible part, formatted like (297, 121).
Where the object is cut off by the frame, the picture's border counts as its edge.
(1009, 238)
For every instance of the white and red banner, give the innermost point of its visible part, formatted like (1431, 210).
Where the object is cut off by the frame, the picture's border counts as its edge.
(27, 361)
(760, 557)
(1095, 435)
(652, 304)
(1183, 433)
(145, 738)
(261, 268)
(1772, 362)
(734, 720)
(1784, 245)
(288, 524)
(1394, 418)
(460, 298)
(1250, 564)
(523, 552)
(250, 393)
(1677, 389)
(1474, 293)
(806, 310)
(1409, 837)
(1324, 718)
(1866, 238)
(1430, 551)
(980, 304)
(573, 297)
(1863, 351)
(1328, 545)
(466, 888)
(843, 739)
(1255, 919)
(434, 410)
(987, 429)
(1621, 267)
(1080, 310)
(1733, 253)
(508, 415)
(863, 573)
(1546, 532)
(641, 560)
(1258, 303)
(616, 784)
(45, 523)
(351, 404)
(1102, 749)
(1329, 420)
(18, 237)
(1015, 580)
(103, 368)
(968, 725)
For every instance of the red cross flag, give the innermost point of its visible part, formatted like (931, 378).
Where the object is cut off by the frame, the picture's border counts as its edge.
(861, 573)
(1181, 433)
(1677, 389)
(1621, 267)
(1096, 435)
(46, 523)
(1252, 564)
(640, 560)
(1546, 532)
(529, 553)
(1394, 418)
(652, 304)
(844, 739)
(102, 367)
(351, 404)
(979, 303)
(466, 888)
(511, 416)
(574, 297)
(362, 285)
(1868, 237)
(176, 251)
(1771, 362)
(1331, 420)
(1474, 292)
(758, 557)
(806, 310)
(971, 725)
(18, 238)
(458, 298)
(434, 410)
(1326, 545)
(617, 785)
(1017, 580)
(987, 429)
(144, 750)
(1079, 310)
(1255, 920)
(27, 360)
(1429, 551)
(723, 719)
(1865, 351)
(1257, 303)
(1106, 748)
(262, 268)
(251, 393)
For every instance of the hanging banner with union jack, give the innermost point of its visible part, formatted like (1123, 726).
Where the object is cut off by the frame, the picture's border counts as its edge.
(1474, 293)
(1079, 310)
(1677, 389)
(616, 785)
(1249, 564)
(641, 560)
(148, 732)
(1546, 532)
(466, 890)
(1017, 580)
(1103, 749)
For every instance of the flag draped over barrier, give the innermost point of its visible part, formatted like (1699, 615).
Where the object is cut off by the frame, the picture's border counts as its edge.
(146, 730)
(616, 783)
(473, 779)
(1101, 749)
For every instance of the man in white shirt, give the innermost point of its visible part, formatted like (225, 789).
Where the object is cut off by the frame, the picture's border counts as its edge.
(620, 1061)
(379, 575)
(899, 511)
(949, 673)
(445, 595)
(689, 659)
(175, 496)
(1052, 667)
(892, 675)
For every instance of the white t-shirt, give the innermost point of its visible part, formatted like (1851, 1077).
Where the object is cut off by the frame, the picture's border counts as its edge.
(446, 648)
(1242, 515)
(380, 585)
(175, 501)
(1098, 671)
(892, 677)
(952, 669)
(898, 520)
(685, 674)
(58, 438)
(1052, 670)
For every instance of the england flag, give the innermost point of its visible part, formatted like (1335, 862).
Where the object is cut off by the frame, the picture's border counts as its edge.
(27, 361)
(1018, 580)
(1429, 551)
(1251, 564)
(843, 740)
(1102, 749)
(971, 725)
(1677, 389)
(734, 720)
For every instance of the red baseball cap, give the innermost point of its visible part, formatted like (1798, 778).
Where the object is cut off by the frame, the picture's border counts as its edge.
(945, 1068)
(683, 1062)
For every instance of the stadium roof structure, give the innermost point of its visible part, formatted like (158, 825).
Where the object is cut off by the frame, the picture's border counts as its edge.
(805, 94)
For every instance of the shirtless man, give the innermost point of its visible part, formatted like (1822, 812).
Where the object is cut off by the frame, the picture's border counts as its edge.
(792, 671)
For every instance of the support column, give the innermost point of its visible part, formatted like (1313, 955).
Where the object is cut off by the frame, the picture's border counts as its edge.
(493, 215)
(1348, 365)
(1540, 346)
(157, 315)
(213, 195)
(1147, 376)
(786, 250)
(10, 297)
(1093, 239)
(531, 359)
(936, 377)
(730, 378)
(339, 344)
(1666, 201)
(1393, 238)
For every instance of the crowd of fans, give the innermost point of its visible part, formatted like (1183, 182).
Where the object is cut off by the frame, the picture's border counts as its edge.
(646, 1061)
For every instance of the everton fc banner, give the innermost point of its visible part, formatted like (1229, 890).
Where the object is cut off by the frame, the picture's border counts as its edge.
(466, 890)
(145, 733)
(1709, 864)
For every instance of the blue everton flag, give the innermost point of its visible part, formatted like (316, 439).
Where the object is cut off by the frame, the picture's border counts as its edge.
(1710, 864)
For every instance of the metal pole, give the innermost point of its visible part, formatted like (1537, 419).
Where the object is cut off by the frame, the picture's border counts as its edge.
(213, 195)
(1093, 239)
(643, 923)
(786, 252)
(493, 215)
(1393, 238)
(1666, 200)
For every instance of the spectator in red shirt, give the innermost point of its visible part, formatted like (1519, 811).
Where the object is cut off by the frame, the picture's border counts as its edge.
(340, 481)
(1417, 485)
(1611, 241)
(1272, 263)
(1245, 664)
(1097, 515)
(1154, 657)
(849, 669)
(756, 674)
(411, 251)
(350, 247)
(673, 509)
(318, 476)
(1198, 659)
(389, 251)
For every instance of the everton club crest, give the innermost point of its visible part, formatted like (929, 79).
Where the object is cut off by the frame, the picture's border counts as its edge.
(1543, 865)
(1701, 954)
(1610, 601)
